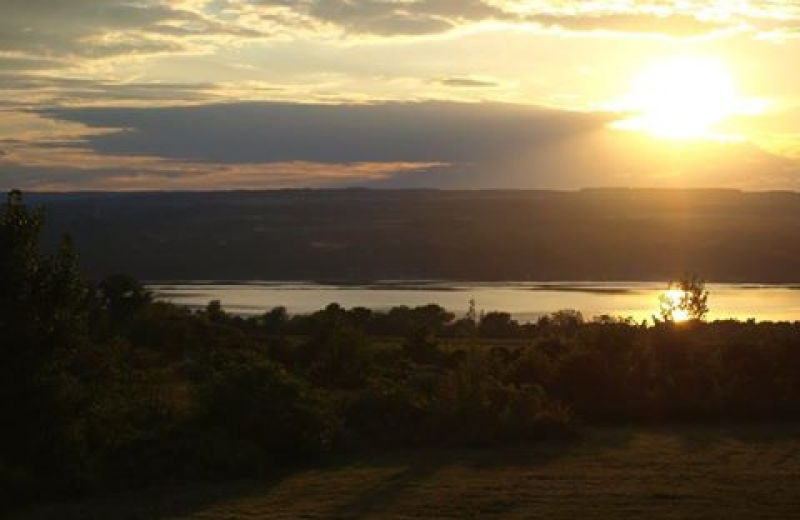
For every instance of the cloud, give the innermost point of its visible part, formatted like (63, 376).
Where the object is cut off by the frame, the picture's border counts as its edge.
(679, 25)
(385, 132)
(142, 174)
(608, 158)
(401, 18)
(385, 18)
(44, 154)
(24, 63)
(467, 82)
(36, 30)
(429, 17)
(429, 144)
(261, 145)
(59, 90)
(73, 35)
(88, 28)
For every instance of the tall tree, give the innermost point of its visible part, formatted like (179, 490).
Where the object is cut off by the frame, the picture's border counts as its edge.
(43, 321)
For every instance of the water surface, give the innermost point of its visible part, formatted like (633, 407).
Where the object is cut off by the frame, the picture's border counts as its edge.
(524, 300)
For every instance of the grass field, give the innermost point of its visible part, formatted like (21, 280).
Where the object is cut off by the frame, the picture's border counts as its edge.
(719, 472)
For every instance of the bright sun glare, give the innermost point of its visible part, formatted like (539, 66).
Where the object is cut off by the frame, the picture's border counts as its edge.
(684, 98)
(675, 299)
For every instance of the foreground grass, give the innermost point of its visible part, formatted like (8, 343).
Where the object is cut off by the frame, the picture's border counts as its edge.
(740, 471)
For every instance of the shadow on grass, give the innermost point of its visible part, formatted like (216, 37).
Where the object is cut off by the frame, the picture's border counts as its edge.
(380, 496)
(694, 437)
(151, 504)
(412, 468)
(420, 465)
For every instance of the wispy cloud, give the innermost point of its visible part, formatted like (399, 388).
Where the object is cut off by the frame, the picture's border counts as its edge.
(425, 17)
(467, 82)
(88, 28)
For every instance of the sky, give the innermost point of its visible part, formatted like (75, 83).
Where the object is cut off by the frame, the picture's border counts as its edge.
(256, 94)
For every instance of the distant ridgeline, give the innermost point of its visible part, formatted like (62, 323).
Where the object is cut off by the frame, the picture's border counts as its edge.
(423, 234)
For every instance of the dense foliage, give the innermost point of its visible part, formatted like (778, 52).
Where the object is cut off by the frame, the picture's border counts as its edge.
(100, 386)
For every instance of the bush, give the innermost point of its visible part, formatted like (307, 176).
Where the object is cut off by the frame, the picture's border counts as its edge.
(255, 416)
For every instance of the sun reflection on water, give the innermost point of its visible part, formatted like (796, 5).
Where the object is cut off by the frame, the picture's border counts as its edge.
(674, 305)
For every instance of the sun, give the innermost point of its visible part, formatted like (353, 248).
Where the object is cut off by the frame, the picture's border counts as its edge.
(683, 98)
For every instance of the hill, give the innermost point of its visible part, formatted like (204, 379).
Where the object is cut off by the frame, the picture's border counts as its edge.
(357, 235)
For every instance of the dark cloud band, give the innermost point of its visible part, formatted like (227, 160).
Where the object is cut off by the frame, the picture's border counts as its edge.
(265, 132)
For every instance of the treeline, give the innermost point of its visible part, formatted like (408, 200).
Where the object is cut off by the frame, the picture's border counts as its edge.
(102, 387)
(401, 321)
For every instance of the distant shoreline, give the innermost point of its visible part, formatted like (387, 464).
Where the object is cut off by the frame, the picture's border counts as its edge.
(615, 287)
(363, 237)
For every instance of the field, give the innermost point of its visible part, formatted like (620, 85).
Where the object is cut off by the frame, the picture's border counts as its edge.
(720, 471)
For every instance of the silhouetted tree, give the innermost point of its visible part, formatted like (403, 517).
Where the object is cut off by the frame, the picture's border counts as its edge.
(275, 320)
(497, 325)
(687, 299)
(215, 312)
(121, 296)
(696, 296)
(43, 323)
(467, 326)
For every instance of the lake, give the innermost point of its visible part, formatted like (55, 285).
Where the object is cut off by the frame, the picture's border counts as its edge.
(524, 300)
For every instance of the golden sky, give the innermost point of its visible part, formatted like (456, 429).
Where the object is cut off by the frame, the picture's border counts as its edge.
(198, 94)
